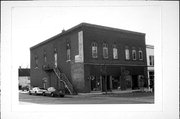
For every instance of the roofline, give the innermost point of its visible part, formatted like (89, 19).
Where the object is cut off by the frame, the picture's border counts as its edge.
(114, 29)
(52, 38)
(89, 25)
(150, 46)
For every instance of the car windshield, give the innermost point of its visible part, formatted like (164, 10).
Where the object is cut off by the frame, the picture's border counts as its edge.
(51, 88)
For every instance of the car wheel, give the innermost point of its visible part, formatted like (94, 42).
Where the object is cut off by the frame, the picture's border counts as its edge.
(52, 94)
(61, 95)
(29, 93)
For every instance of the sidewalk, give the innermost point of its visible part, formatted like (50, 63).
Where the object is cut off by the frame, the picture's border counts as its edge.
(116, 93)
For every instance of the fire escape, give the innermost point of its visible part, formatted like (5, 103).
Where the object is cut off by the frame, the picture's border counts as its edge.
(62, 78)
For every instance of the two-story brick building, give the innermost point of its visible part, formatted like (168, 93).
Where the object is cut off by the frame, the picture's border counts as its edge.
(89, 58)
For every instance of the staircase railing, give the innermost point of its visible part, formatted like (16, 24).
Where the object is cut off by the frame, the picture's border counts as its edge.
(62, 77)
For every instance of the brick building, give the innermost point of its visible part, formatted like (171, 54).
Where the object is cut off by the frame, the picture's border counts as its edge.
(90, 58)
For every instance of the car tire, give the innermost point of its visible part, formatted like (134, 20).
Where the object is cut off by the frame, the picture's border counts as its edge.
(61, 95)
(52, 94)
(30, 93)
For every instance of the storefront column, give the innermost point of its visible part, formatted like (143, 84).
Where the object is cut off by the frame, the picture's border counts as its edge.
(101, 82)
(111, 78)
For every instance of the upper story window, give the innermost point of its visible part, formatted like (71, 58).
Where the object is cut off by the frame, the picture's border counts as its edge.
(94, 50)
(151, 60)
(45, 57)
(127, 55)
(140, 55)
(68, 49)
(36, 62)
(55, 57)
(134, 54)
(105, 50)
(115, 52)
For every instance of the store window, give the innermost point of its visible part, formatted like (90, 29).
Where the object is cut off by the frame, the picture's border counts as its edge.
(105, 50)
(115, 52)
(94, 50)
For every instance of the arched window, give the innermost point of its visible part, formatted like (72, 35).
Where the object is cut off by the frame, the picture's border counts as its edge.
(115, 52)
(55, 57)
(36, 61)
(68, 49)
(134, 54)
(94, 50)
(140, 55)
(45, 57)
(127, 55)
(105, 50)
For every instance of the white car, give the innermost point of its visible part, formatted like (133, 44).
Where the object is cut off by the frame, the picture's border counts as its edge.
(37, 91)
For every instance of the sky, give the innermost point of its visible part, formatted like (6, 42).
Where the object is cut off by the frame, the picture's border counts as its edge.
(33, 24)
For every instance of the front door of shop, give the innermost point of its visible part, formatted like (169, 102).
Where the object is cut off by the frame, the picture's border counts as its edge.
(106, 83)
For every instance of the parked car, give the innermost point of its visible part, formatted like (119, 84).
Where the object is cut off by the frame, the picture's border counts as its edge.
(51, 91)
(36, 91)
(26, 88)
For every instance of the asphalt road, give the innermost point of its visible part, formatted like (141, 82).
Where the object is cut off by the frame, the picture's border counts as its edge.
(25, 98)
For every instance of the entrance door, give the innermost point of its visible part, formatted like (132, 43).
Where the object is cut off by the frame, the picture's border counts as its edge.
(106, 83)
(135, 82)
(95, 83)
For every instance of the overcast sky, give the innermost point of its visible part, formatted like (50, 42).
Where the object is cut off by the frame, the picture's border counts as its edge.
(32, 25)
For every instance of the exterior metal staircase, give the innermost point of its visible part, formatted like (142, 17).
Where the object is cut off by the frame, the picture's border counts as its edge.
(62, 77)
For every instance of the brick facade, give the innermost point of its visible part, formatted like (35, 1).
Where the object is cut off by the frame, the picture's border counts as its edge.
(91, 73)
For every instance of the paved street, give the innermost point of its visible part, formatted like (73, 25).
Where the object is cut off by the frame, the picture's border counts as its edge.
(25, 98)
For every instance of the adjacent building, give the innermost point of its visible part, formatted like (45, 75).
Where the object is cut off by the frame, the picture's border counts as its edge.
(24, 77)
(150, 65)
(88, 58)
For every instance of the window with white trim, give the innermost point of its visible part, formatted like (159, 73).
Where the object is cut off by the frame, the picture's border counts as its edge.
(45, 57)
(134, 54)
(68, 50)
(140, 55)
(115, 52)
(94, 50)
(36, 62)
(151, 60)
(105, 50)
(127, 55)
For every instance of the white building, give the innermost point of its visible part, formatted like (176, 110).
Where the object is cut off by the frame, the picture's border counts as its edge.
(150, 64)
(24, 77)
